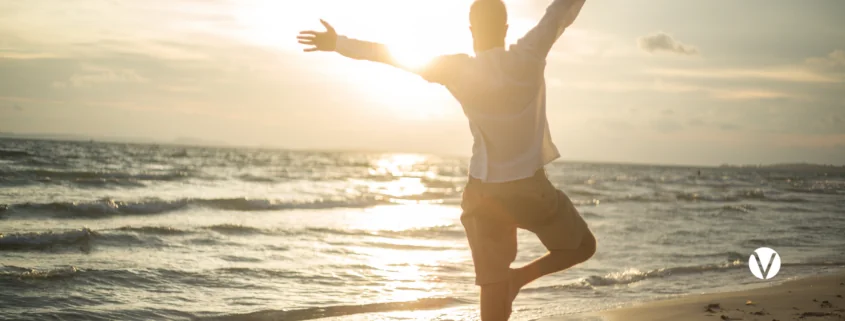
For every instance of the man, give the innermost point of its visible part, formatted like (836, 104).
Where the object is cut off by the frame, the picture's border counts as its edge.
(503, 94)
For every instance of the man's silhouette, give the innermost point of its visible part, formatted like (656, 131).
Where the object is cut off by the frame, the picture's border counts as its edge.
(503, 94)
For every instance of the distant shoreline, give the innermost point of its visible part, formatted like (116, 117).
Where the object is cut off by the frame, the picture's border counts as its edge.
(195, 142)
(184, 141)
(790, 166)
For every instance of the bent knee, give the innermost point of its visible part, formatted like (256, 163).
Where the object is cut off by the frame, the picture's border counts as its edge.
(588, 246)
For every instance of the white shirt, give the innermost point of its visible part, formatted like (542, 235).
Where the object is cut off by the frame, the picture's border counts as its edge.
(502, 92)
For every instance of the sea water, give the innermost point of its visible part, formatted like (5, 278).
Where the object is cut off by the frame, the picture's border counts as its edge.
(110, 231)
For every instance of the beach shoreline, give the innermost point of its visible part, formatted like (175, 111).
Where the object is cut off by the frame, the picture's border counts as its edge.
(809, 298)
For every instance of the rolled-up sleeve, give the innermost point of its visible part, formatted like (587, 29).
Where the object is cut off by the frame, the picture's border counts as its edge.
(441, 69)
(362, 50)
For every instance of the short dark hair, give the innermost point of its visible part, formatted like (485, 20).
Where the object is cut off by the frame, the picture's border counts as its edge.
(488, 13)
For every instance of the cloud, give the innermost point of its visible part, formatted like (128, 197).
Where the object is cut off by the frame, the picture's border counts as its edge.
(666, 125)
(612, 123)
(743, 94)
(811, 140)
(609, 86)
(826, 69)
(96, 75)
(695, 122)
(8, 54)
(662, 42)
(11, 106)
(782, 73)
(833, 59)
(728, 126)
(721, 125)
(675, 87)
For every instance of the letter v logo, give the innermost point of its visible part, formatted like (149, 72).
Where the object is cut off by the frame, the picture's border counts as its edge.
(764, 263)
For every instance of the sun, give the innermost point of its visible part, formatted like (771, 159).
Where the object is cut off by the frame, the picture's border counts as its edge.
(416, 33)
(414, 57)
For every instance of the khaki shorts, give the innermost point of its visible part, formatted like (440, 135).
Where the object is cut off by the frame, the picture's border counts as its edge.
(493, 211)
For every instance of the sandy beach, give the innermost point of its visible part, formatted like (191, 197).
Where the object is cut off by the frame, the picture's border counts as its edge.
(812, 298)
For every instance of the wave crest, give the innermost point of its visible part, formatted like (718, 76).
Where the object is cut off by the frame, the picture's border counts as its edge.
(109, 207)
(634, 275)
(39, 241)
(235, 229)
(154, 230)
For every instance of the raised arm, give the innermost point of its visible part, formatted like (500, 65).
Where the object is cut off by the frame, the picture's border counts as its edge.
(442, 69)
(559, 15)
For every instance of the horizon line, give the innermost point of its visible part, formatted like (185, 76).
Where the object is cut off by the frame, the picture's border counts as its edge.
(197, 142)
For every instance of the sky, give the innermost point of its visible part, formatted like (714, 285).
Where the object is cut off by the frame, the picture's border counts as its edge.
(647, 81)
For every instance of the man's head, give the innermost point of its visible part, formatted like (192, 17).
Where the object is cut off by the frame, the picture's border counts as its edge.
(488, 21)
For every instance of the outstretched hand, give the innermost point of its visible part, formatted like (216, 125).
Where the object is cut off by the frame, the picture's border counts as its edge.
(319, 41)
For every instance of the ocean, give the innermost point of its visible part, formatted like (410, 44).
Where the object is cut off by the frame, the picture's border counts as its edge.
(112, 231)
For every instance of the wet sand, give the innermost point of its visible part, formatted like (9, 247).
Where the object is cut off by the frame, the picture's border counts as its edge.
(813, 298)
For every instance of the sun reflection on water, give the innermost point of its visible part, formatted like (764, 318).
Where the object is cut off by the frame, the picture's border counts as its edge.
(402, 275)
(407, 217)
(404, 265)
(397, 164)
(402, 179)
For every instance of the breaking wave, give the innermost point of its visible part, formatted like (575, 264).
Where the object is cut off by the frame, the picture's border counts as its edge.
(157, 236)
(38, 241)
(78, 239)
(109, 207)
(633, 275)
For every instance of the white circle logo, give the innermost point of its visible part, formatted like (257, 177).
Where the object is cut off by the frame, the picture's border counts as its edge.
(764, 263)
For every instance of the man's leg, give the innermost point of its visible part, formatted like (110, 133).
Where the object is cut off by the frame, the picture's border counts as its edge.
(568, 239)
(553, 261)
(495, 302)
(493, 246)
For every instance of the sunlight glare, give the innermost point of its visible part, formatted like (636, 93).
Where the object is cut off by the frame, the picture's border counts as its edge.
(406, 180)
(415, 34)
(414, 57)
(407, 217)
(398, 164)
(418, 32)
